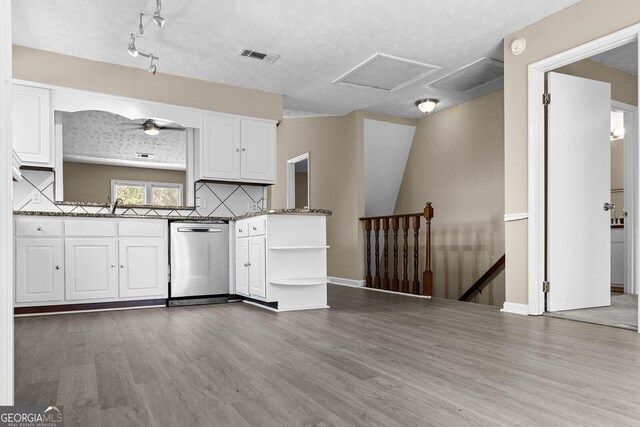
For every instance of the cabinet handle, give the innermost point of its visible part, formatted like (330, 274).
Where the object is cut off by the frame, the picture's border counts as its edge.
(237, 150)
(255, 229)
(39, 228)
(248, 264)
(121, 266)
(244, 149)
(57, 267)
(239, 230)
(113, 266)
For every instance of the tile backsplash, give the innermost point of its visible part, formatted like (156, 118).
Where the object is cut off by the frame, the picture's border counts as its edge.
(213, 199)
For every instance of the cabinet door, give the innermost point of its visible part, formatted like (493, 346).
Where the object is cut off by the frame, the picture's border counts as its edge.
(258, 151)
(142, 267)
(31, 125)
(39, 270)
(91, 271)
(242, 269)
(257, 266)
(220, 149)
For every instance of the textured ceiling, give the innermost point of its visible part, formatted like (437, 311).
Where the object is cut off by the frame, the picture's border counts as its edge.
(623, 58)
(102, 135)
(318, 41)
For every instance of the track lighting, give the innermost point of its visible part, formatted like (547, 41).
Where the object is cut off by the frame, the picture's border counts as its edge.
(152, 66)
(140, 26)
(159, 20)
(427, 105)
(132, 46)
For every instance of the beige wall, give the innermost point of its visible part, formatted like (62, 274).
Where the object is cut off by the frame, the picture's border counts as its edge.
(576, 25)
(457, 163)
(68, 71)
(85, 182)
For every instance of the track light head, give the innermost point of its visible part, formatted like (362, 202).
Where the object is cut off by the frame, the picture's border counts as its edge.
(152, 66)
(140, 26)
(159, 20)
(132, 46)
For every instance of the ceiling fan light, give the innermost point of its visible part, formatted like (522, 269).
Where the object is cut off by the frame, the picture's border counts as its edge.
(427, 105)
(150, 128)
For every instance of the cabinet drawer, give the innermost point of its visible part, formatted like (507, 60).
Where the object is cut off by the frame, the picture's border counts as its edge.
(95, 228)
(257, 227)
(242, 229)
(141, 229)
(38, 228)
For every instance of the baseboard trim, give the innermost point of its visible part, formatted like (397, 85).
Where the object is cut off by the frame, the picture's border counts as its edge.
(513, 308)
(70, 308)
(346, 282)
(397, 293)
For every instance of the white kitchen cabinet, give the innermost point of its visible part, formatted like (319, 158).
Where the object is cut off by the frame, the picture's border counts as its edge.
(31, 115)
(220, 154)
(237, 149)
(141, 267)
(258, 151)
(39, 270)
(91, 271)
(242, 262)
(257, 267)
(282, 259)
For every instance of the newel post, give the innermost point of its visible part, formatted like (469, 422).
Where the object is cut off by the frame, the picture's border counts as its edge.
(427, 276)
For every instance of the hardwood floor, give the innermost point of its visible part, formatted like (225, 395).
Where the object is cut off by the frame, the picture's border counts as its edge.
(372, 359)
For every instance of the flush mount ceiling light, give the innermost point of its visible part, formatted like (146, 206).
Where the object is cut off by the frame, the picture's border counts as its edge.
(427, 105)
(132, 49)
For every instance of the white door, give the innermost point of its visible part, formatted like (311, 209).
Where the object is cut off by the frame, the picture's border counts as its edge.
(91, 271)
(142, 267)
(257, 268)
(579, 184)
(258, 151)
(221, 148)
(31, 125)
(39, 270)
(242, 266)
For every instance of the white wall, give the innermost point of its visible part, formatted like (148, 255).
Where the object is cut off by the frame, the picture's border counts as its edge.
(386, 150)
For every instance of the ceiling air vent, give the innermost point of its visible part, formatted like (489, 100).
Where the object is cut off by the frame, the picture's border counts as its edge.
(471, 76)
(264, 57)
(148, 156)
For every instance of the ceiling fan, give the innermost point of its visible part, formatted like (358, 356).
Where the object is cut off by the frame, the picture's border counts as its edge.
(153, 127)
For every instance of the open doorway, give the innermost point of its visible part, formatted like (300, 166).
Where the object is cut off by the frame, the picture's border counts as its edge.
(591, 189)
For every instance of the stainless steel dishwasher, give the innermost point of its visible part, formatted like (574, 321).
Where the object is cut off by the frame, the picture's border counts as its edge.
(199, 263)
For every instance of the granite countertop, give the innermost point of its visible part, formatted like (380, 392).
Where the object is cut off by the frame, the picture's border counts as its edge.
(178, 218)
(286, 212)
(103, 215)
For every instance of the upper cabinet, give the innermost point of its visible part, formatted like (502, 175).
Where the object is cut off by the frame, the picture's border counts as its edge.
(31, 126)
(237, 149)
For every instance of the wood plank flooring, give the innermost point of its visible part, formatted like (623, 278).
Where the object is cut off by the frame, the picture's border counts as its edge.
(373, 359)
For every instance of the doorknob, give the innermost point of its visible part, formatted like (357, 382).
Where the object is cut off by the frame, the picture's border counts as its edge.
(609, 206)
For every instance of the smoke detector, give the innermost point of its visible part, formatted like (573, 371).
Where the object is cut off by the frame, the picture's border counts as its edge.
(264, 57)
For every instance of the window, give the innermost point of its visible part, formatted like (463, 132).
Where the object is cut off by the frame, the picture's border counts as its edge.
(146, 193)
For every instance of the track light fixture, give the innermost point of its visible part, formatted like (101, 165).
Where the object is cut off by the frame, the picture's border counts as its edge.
(132, 49)
(132, 46)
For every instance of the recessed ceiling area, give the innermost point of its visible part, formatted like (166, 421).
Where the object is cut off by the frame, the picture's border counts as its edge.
(317, 42)
(98, 136)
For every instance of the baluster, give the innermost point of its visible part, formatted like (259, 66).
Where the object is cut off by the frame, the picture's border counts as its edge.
(405, 253)
(395, 283)
(367, 229)
(376, 233)
(385, 253)
(415, 287)
(427, 276)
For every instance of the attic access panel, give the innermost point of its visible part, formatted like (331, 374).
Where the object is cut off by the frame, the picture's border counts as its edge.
(471, 76)
(386, 72)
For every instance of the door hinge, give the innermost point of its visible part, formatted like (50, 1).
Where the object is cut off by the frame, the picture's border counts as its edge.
(546, 286)
(546, 98)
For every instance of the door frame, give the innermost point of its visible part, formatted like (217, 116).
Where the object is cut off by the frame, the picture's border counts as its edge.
(291, 179)
(536, 155)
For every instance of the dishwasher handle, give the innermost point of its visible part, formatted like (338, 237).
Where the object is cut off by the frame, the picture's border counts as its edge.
(199, 230)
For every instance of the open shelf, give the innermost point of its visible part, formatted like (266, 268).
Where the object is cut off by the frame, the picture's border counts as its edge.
(307, 281)
(289, 248)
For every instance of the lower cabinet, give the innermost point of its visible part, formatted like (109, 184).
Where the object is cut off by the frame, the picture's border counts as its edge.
(39, 270)
(242, 264)
(77, 261)
(141, 267)
(91, 271)
(251, 266)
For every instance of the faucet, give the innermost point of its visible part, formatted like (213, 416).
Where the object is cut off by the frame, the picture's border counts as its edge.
(115, 204)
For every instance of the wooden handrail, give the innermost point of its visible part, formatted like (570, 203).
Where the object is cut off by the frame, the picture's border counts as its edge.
(483, 281)
(377, 278)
